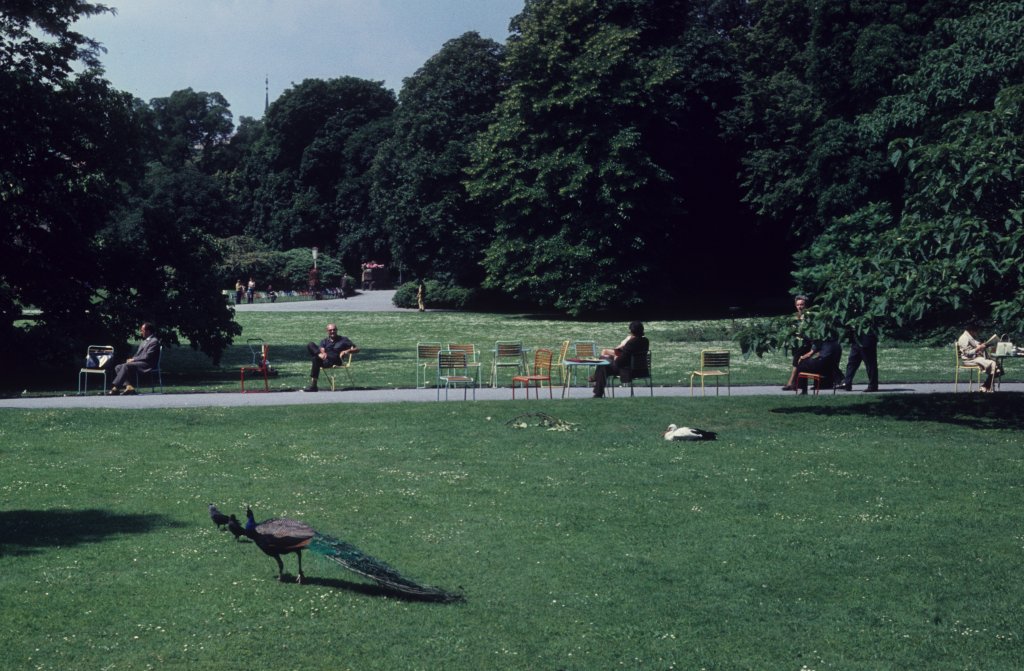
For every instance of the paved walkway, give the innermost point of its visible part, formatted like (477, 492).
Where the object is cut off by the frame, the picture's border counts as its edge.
(367, 301)
(380, 301)
(220, 400)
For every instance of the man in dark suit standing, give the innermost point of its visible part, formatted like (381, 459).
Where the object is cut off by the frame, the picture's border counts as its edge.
(144, 360)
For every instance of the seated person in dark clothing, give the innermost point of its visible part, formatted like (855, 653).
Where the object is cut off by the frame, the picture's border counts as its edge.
(144, 360)
(328, 353)
(622, 358)
(823, 361)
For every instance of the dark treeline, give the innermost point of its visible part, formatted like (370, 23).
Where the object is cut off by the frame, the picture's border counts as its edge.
(645, 156)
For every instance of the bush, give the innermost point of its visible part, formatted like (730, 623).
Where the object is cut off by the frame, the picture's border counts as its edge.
(439, 295)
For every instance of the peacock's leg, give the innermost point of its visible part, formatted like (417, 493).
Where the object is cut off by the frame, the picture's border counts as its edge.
(298, 555)
(280, 567)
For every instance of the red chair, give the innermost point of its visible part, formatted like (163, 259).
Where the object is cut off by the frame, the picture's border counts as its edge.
(541, 373)
(259, 364)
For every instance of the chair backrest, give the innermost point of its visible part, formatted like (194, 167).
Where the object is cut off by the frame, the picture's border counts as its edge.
(427, 350)
(714, 358)
(98, 356)
(450, 360)
(585, 350)
(256, 346)
(640, 365)
(563, 352)
(542, 361)
(508, 348)
(470, 350)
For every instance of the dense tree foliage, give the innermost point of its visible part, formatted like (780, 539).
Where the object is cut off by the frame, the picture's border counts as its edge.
(615, 154)
(604, 167)
(306, 175)
(418, 195)
(951, 248)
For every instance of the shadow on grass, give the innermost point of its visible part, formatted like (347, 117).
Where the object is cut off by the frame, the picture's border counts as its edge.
(975, 411)
(25, 532)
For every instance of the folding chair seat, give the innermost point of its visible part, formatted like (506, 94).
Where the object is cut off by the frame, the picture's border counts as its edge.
(541, 374)
(472, 356)
(259, 365)
(97, 358)
(453, 370)
(639, 369)
(426, 359)
(713, 363)
(967, 366)
(344, 364)
(507, 354)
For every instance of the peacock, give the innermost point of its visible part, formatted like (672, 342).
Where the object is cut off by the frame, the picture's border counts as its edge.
(219, 518)
(276, 537)
(686, 433)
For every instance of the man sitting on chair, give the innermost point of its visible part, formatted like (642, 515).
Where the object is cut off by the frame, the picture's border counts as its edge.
(328, 353)
(972, 353)
(621, 358)
(143, 361)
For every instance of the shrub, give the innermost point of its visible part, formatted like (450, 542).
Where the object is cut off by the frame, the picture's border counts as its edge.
(439, 295)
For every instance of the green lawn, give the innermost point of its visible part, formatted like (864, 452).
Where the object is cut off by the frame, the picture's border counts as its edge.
(834, 533)
(388, 344)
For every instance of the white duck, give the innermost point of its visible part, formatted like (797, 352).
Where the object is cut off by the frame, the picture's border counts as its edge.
(686, 433)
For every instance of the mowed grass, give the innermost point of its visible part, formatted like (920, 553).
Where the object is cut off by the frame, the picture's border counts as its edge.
(388, 350)
(830, 533)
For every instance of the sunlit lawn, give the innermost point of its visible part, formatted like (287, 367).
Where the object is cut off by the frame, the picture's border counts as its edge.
(841, 533)
(388, 345)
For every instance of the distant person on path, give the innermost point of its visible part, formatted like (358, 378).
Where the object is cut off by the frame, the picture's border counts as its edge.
(621, 357)
(328, 353)
(421, 296)
(144, 360)
(972, 354)
(239, 289)
(250, 290)
(863, 347)
(802, 348)
(314, 283)
(344, 286)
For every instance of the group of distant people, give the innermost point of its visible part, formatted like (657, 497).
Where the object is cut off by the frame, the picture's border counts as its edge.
(822, 357)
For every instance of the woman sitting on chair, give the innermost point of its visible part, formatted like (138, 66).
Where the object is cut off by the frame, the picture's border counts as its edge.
(621, 357)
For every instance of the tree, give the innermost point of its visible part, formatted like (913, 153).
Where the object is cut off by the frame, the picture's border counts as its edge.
(604, 159)
(809, 69)
(951, 248)
(74, 148)
(418, 194)
(306, 173)
(69, 142)
(192, 128)
(160, 260)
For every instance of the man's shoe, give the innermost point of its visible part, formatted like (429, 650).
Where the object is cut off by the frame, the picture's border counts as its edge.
(789, 387)
(871, 389)
(114, 391)
(844, 387)
(598, 396)
(129, 391)
(311, 387)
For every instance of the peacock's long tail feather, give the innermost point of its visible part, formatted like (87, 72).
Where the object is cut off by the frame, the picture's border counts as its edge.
(357, 561)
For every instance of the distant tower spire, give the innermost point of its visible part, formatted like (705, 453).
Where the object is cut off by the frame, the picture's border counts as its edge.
(266, 93)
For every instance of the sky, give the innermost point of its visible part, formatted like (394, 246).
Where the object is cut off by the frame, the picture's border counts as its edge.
(156, 47)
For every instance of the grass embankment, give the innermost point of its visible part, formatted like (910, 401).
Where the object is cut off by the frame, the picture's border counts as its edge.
(388, 344)
(843, 533)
